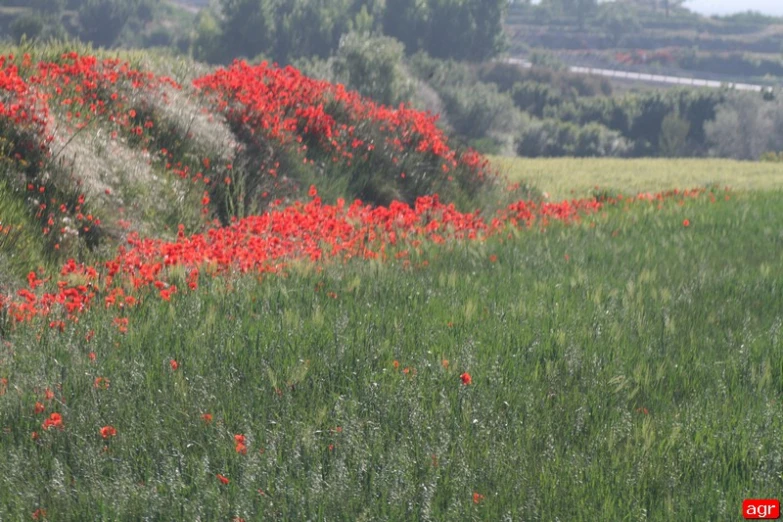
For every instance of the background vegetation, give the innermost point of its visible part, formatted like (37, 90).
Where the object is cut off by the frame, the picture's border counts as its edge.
(436, 56)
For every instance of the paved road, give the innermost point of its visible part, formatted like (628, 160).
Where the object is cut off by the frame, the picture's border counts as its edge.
(653, 78)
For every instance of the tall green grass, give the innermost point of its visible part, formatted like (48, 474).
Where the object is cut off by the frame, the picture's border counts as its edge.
(625, 370)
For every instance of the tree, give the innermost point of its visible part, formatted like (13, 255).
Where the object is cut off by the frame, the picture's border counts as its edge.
(742, 128)
(617, 20)
(206, 44)
(406, 20)
(673, 140)
(374, 67)
(247, 27)
(102, 21)
(479, 110)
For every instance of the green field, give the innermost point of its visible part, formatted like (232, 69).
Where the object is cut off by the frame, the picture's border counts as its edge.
(568, 177)
(624, 368)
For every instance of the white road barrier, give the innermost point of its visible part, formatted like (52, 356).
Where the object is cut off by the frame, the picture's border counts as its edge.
(653, 78)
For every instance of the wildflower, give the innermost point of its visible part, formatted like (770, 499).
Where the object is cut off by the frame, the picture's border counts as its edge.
(48, 394)
(174, 365)
(466, 379)
(39, 408)
(206, 417)
(477, 497)
(493, 258)
(39, 514)
(445, 364)
(101, 383)
(108, 431)
(223, 480)
(396, 364)
(686, 223)
(55, 420)
(240, 440)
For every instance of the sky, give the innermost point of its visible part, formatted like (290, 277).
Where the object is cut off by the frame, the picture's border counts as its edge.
(709, 7)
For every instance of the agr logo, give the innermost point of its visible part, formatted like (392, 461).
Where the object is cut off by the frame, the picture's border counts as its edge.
(766, 509)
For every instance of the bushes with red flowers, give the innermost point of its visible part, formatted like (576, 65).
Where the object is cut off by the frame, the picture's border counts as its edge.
(295, 131)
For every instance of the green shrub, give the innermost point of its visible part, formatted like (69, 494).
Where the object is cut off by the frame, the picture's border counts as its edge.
(374, 67)
(478, 110)
(550, 138)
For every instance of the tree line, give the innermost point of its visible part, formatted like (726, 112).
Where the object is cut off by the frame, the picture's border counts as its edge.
(284, 30)
(281, 30)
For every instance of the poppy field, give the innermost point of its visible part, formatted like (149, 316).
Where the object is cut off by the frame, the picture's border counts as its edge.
(342, 316)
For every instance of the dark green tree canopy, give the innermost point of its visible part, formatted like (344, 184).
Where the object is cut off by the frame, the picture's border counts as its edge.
(285, 30)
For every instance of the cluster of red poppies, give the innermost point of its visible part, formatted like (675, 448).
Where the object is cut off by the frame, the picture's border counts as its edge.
(267, 243)
(287, 107)
(40, 101)
(279, 104)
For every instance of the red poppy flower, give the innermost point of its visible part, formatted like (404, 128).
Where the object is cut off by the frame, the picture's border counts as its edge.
(223, 480)
(108, 431)
(206, 417)
(39, 408)
(466, 378)
(477, 497)
(686, 223)
(174, 365)
(55, 420)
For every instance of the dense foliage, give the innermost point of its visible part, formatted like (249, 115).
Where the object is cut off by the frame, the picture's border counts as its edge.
(284, 31)
(229, 145)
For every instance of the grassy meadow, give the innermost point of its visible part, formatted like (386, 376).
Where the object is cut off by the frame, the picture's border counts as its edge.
(565, 178)
(188, 333)
(624, 368)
